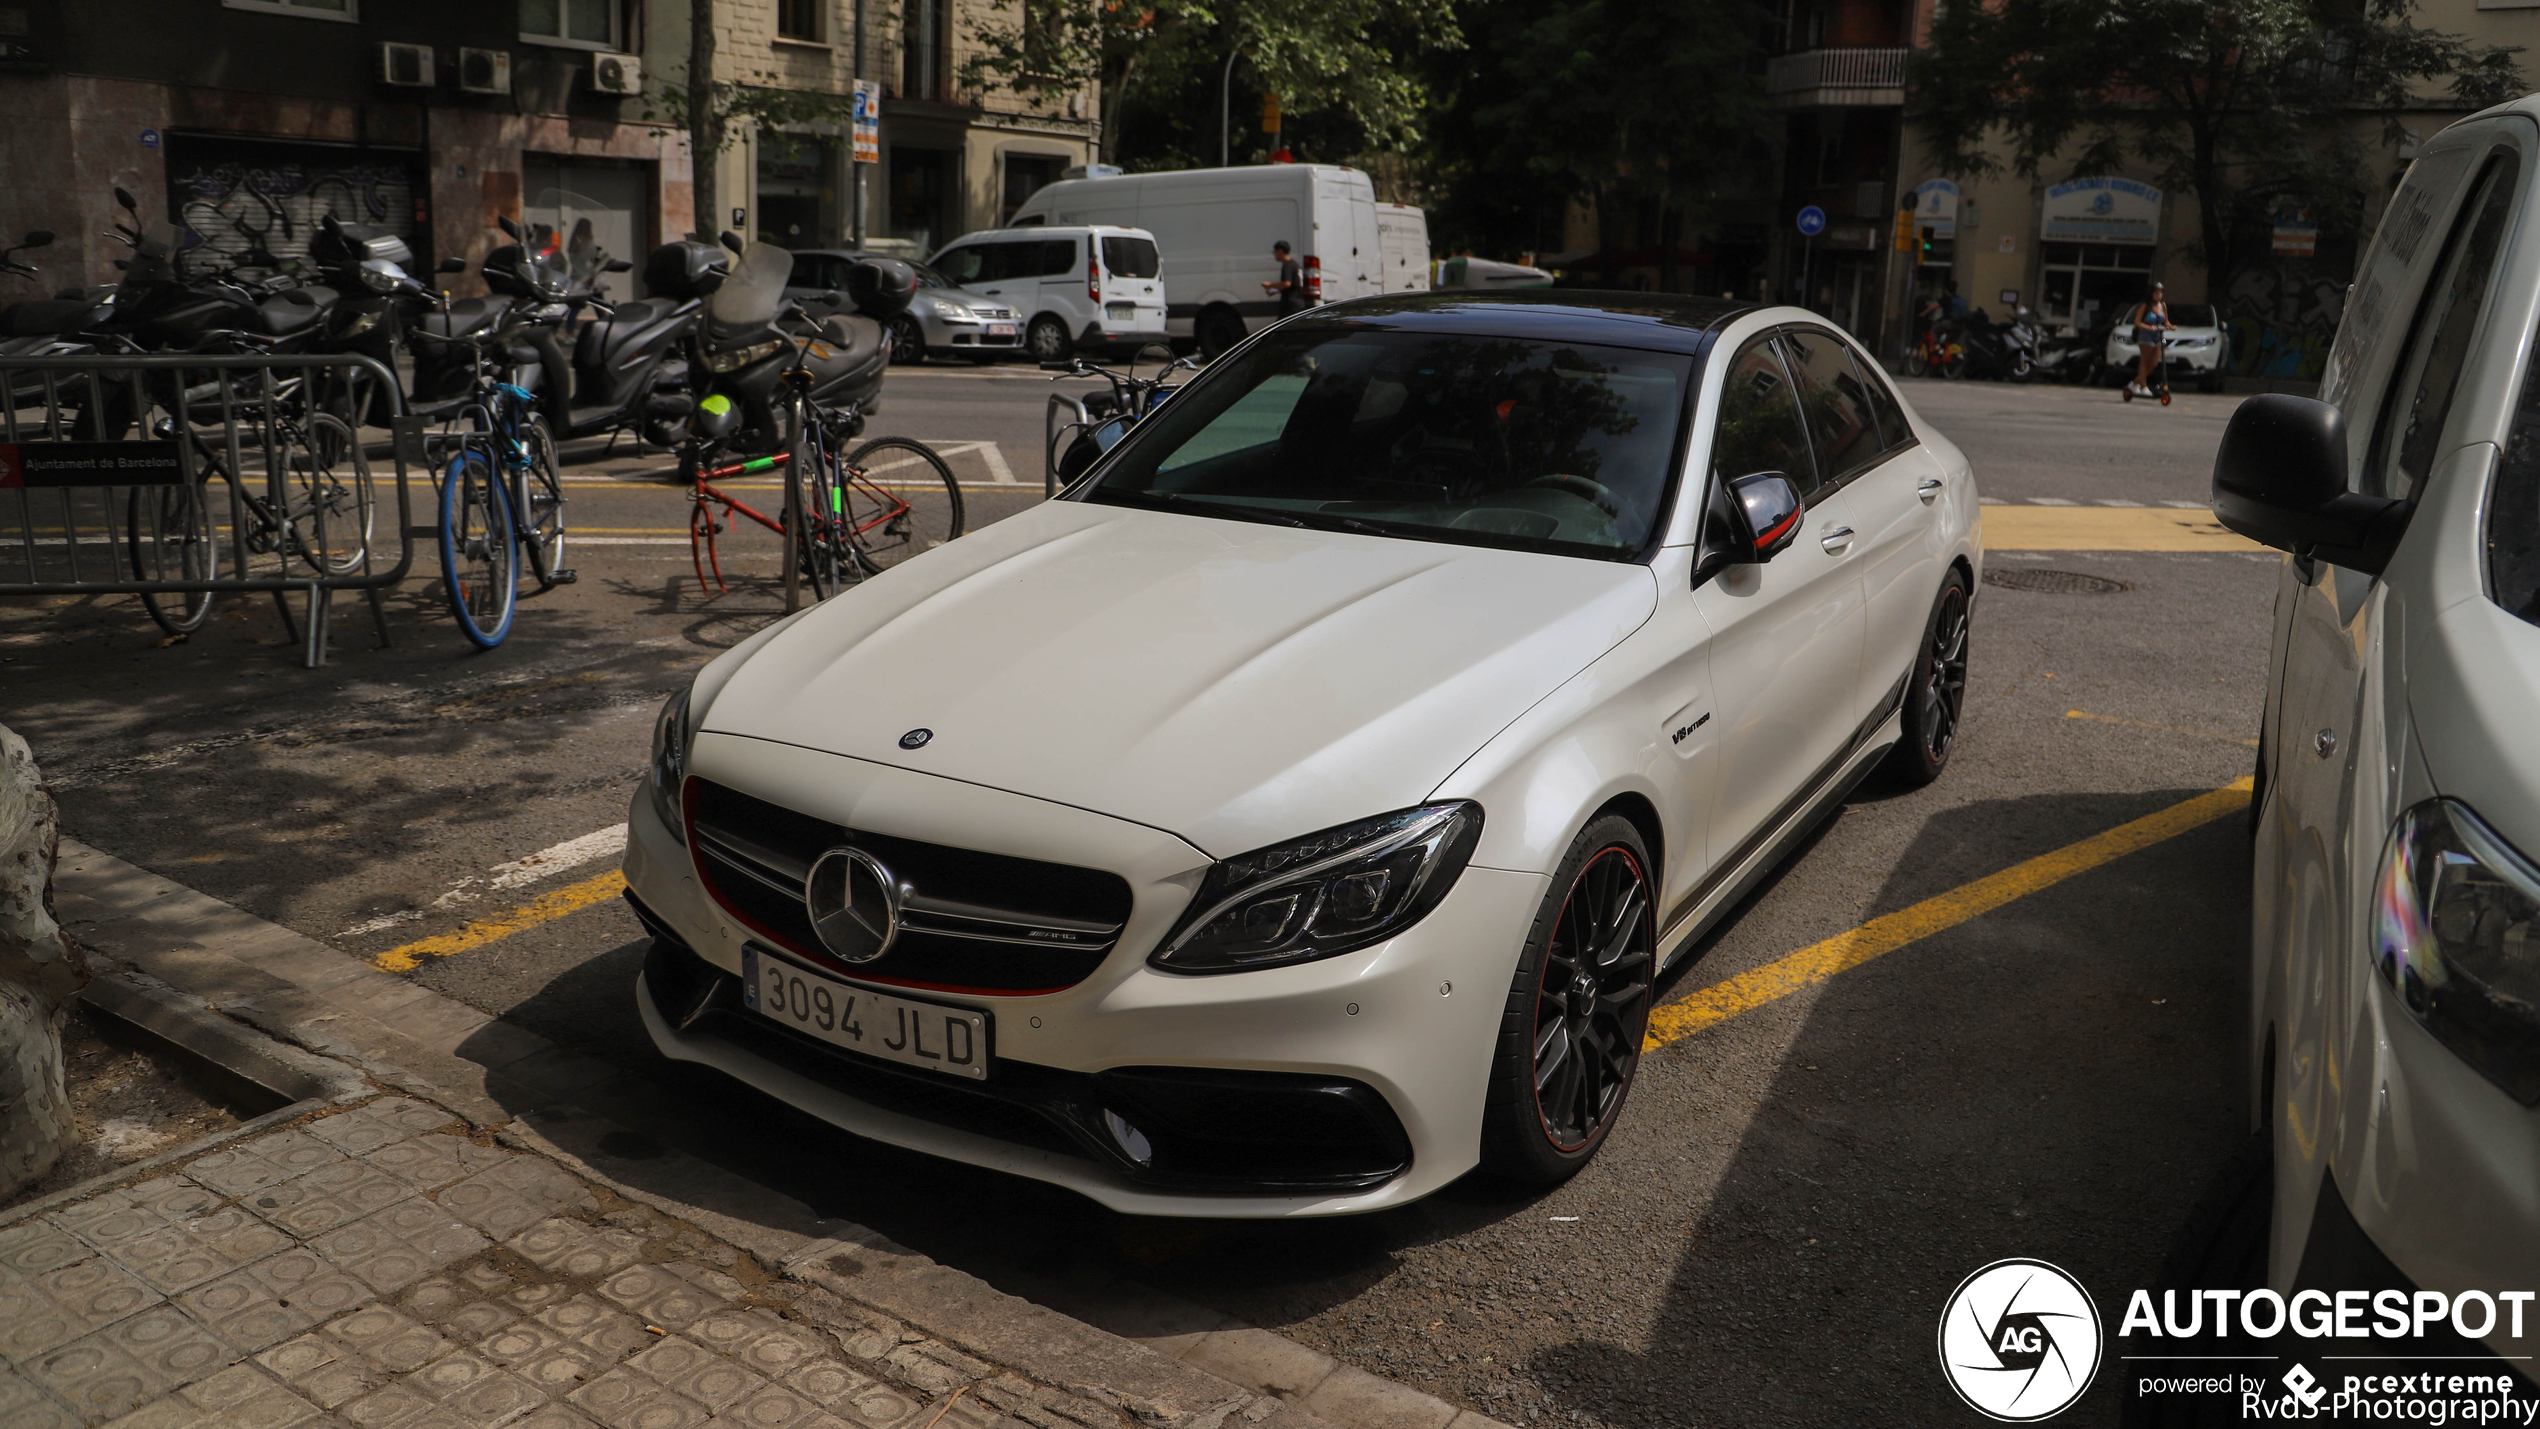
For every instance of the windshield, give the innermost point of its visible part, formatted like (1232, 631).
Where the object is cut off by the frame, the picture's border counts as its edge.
(1489, 441)
(154, 257)
(2192, 314)
(756, 289)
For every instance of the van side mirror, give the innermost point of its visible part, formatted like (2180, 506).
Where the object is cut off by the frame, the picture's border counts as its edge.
(2280, 480)
(1751, 520)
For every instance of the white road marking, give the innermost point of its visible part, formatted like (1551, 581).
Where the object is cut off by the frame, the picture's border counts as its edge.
(1991, 501)
(2051, 501)
(520, 872)
(2190, 505)
(2114, 501)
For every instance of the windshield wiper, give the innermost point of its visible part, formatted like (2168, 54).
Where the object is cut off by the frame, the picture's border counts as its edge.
(1211, 508)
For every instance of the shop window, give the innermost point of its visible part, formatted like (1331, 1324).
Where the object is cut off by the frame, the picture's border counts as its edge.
(313, 9)
(925, 184)
(590, 23)
(799, 20)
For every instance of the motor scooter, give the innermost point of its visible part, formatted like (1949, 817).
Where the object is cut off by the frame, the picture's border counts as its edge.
(751, 332)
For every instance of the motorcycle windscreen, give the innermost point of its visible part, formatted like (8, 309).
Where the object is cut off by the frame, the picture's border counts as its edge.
(750, 297)
(154, 257)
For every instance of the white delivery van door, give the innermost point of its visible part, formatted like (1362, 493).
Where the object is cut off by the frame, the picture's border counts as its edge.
(1218, 250)
(1367, 242)
(1061, 264)
(1403, 233)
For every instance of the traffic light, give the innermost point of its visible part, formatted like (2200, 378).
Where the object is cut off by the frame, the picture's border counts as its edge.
(1904, 236)
(1269, 111)
(1923, 254)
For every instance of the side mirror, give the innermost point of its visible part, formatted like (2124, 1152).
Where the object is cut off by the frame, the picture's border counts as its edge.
(125, 199)
(729, 239)
(1751, 520)
(40, 238)
(617, 265)
(450, 265)
(2280, 480)
(510, 229)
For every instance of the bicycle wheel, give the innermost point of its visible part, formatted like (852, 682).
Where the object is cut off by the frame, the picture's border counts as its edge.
(331, 502)
(542, 510)
(827, 559)
(168, 531)
(907, 508)
(478, 549)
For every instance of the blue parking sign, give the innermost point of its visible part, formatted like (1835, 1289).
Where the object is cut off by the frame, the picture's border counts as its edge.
(1812, 221)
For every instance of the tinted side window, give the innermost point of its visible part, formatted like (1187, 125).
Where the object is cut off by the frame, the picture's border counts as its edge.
(1759, 426)
(970, 263)
(1895, 433)
(1130, 257)
(1841, 421)
(1057, 256)
(2428, 373)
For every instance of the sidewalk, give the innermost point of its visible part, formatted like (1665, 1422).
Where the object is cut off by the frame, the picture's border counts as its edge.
(400, 1249)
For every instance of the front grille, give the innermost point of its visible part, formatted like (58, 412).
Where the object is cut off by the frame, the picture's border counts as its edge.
(970, 922)
(1196, 1129)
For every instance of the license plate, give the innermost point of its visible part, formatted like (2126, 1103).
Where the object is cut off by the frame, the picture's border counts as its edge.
(1122, 312)
(950, 1040)
(1000, 329)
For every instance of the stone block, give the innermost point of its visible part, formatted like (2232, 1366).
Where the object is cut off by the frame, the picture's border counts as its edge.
(1354, 1397)
(1260, 1361)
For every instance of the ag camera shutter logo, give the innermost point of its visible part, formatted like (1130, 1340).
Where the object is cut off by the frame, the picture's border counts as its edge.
(2019, 1340)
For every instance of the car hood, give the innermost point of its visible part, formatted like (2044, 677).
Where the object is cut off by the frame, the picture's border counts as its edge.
(1232, 683)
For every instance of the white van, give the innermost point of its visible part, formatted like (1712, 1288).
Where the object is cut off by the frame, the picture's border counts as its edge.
(1402, 238)
(1088, 287)
(1215, 227)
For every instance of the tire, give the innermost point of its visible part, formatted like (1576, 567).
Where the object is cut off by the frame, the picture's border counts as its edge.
(1047, 340)
(479, 556)
(1560, 1074)
(1218, 331)
(827, 559)
(1935, 690)
(542, 520)
(908, 341)
(933, 517)
(332, 504)
(170, 535)
(1917, 362)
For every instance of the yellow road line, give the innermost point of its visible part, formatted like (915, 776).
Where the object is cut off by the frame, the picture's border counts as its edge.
(572, 898)
(1880, 936)
(2163, 728)
(2107, 528)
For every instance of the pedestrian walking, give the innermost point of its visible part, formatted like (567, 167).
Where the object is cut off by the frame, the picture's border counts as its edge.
(1290, 289)
(2151, 319)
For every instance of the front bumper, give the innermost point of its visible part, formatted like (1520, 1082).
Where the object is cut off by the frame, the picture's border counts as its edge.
(1411, 1022)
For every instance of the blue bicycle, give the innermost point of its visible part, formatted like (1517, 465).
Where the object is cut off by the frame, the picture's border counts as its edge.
(502, 501)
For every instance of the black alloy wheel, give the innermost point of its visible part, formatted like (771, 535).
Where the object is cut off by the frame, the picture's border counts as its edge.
(908, 341)
(1936, 690)
(1577, 1012)
(1218, 330)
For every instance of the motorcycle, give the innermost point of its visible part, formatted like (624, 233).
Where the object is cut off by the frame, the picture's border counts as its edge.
(1991, 351)
(752, 331)
(1937, 352)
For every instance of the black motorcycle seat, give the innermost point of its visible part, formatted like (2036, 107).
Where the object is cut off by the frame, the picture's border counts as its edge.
(721, 337)
(42, 317)
(466, 315)
(289, 311)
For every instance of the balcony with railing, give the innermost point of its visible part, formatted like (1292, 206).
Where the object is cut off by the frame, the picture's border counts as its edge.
(1848, 78)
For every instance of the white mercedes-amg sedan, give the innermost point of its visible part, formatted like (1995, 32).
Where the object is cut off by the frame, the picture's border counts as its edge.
(1295, 814)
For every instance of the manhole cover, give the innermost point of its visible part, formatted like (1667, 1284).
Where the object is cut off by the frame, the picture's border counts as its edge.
(2030, 578)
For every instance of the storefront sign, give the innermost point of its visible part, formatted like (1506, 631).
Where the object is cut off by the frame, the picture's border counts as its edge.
(868, 121)
(1936, 207)
(2102, 210)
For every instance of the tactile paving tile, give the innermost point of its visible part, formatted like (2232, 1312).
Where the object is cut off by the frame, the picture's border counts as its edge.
(490, 1206)
(426, 1163)
(385, 1407)
(245, 1311)
(95, 1292)
(97, 1379)
(168, 1260)
(172, 1198)
(476, 1320)
(572, 1249)
(687, 1368)
(389, 1340)
(777, 1407)
(234, 1171)
(39, 1246)
(625, 1399)
(30, 1323)
(170, 1344)
(236, 1236)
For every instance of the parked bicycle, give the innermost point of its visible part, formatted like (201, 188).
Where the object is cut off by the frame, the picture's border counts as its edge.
(1100, 421)
(853, 525)
(502, 498)
(317, 505)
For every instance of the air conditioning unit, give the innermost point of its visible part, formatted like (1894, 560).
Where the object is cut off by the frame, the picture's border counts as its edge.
(617, 74)
(485, 71)
(408, 65)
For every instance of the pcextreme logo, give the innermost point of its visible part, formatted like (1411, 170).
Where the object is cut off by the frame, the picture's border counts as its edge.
(2019, 1340)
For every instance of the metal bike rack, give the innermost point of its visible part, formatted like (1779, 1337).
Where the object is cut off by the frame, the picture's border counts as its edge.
(1063, 415)
(82, 438)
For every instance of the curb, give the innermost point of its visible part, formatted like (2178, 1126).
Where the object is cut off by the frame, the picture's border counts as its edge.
(317, 1027)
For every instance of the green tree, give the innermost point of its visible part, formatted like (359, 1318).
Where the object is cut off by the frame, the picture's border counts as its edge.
(2243, 104)
(1318, 55)
(716, 113)
(1626, 105)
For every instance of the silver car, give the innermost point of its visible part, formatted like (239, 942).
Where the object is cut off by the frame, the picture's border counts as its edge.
(942, 321)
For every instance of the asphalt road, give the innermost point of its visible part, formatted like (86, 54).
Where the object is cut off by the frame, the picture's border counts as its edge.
(1769, 1236)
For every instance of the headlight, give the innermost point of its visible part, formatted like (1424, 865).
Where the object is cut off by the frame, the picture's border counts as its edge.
(2456, 933)
(381, 276)
(952, 312)
(670, 762)
(1324, 894)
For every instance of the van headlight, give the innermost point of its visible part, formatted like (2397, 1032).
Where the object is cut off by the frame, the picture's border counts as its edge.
(1324, 894)
(2456, 934)
(671, 733)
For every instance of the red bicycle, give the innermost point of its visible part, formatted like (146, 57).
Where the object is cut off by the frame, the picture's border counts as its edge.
(859, 515)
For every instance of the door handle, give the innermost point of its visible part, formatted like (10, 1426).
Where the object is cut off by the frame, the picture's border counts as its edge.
(1836, 541)
(1927, 488)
